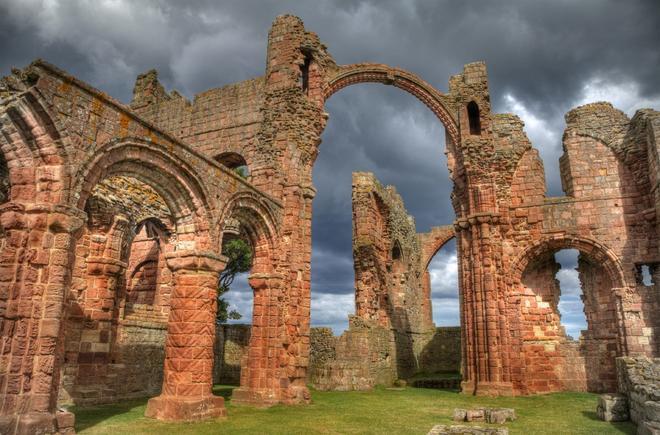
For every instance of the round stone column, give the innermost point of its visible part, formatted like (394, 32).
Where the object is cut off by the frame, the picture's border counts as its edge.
(188, 371)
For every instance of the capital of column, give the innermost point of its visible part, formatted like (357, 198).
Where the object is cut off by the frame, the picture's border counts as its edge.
(195, 261)
(55, 218)
(308, 191)
(263, 280)
(105, 266)
(461, 224)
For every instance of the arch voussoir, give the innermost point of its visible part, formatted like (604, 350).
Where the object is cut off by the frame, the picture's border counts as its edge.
(378, 73)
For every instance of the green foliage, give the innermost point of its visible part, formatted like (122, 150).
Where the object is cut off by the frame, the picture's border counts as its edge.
(242, 171)
(239, 255)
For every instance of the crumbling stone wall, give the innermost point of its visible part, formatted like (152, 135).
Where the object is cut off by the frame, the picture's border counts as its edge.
(362, 357)
(639, 380)
(65, 318)
(387, 258)
(392, 332)
(606, 203)
(355, 361)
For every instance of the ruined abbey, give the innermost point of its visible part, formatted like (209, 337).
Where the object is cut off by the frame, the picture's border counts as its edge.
(113, 218)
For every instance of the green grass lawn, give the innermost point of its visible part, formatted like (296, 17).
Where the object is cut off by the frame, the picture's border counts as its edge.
(382, 411)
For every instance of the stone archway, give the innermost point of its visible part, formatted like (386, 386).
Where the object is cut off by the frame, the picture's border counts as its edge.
(347, 75)
(193, 263)
(551, 360)
(261, 373)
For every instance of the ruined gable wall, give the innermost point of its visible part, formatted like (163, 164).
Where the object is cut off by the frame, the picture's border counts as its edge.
(225, 119)
(382, 225)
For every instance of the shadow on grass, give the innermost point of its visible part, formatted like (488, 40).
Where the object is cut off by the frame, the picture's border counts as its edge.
(91, 416)
(88, 417)
(623, 427)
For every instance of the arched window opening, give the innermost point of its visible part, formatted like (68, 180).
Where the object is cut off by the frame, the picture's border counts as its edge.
(473, 118)
(442, 276)
(396, 252)
(128, 227)
(235, 162)
(4, 180)
(570, 298)
(441, 356)
(142, 284)
(245, 245)
(304, 73)
(568, 304)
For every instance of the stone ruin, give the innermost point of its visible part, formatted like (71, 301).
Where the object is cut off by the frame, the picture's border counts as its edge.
(113, 217)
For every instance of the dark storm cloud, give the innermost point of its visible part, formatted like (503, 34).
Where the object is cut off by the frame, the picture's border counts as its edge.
(543, 58)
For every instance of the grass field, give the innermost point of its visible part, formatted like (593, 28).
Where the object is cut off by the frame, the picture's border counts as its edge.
(382, 411)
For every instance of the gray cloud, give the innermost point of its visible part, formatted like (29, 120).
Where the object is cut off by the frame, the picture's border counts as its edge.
(543, 58)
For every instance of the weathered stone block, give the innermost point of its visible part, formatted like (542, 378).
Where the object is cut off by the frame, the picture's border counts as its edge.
(459, 414)
(442, 429)
(475, 415)
(500, 415)
(612, 407)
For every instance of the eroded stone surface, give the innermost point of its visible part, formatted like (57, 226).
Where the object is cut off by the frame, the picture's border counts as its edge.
(639, 381)
(612, 407)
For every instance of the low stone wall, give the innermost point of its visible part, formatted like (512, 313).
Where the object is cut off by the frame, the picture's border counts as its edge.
(442, 354)
(639, 380)
(231, 346)
(359, 359)
(365, 355)
(133, 369)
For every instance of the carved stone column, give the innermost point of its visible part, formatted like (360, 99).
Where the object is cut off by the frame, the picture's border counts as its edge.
(188, 372)
(35, 271)
(483, 317)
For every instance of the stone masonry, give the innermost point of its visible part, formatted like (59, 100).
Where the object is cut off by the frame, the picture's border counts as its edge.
(90, 275)
(639, 382)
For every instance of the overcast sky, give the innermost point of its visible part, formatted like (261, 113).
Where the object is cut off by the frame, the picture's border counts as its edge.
(543, 58)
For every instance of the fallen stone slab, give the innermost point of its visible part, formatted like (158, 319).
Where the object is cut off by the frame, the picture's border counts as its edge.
(442, 429)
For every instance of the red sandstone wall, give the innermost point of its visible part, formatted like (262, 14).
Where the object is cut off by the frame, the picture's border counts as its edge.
(83, 136)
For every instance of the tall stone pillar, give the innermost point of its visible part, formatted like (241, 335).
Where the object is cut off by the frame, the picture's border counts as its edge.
(297, 314)
(188, 371)
(35, 270)
(261, 373)
(483, 317)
